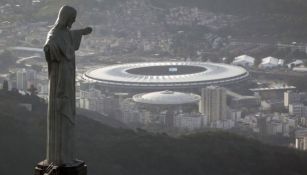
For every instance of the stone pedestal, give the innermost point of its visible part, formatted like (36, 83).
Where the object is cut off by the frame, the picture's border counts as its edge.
(76, 168)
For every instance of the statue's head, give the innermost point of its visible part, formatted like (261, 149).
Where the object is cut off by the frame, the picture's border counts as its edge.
(66, 17)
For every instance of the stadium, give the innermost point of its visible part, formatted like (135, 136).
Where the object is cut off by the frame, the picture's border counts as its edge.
(165, 75)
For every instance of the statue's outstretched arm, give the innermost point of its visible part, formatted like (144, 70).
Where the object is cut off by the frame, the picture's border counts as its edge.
(77, 36)
(87, 30)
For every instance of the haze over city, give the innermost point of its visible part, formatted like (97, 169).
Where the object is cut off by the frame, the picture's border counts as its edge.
(161, 86)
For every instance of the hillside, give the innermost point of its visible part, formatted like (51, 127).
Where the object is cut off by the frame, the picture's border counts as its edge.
(221, 6)
(116, 151)
(254, 20)
(213, 28)
(242, 6)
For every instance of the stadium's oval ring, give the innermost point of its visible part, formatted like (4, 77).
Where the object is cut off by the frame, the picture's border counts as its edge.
(164, 75)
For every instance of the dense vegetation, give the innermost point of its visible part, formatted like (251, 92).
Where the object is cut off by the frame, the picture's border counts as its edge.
(108, 150)
(262, 20)
(222, 6)
(242, 6)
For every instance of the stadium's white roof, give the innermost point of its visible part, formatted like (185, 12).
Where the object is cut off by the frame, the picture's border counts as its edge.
(166, 98)
(127, 75)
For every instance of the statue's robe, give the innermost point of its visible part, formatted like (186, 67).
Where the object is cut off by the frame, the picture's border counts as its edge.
(60, 55)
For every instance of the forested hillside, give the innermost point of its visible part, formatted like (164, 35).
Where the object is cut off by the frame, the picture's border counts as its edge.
(297, 7)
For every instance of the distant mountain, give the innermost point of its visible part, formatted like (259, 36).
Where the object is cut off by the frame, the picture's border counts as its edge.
(242, 6)
(116, 151)
(298, 7)
(260, 20)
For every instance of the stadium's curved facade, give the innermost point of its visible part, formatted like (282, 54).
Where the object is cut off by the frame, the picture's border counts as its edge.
(166, 75)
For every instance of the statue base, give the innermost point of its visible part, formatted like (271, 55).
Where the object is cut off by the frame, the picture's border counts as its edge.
(76, 168)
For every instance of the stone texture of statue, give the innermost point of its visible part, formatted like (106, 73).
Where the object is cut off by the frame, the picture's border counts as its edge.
(60, 47)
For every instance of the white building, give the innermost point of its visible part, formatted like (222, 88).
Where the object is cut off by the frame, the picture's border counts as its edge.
(167, 109)
(274, 127)
(300, 69)
(249, 121)
(295, 63)
(91, 100)
(281, 62)
(130, 112)
(238, 101)
(244, 60)
(190, 121)
(25, 78)
(31, 78)
(271, 62)
(213, 103)
(298, 109)
(133, 115)
(42, 87)
(291, 97)
(280, 124)
(222, 124)
(234, 115)
(21, 79)
(301, 139)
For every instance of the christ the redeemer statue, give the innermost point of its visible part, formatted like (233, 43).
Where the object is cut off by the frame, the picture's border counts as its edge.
(60, 47)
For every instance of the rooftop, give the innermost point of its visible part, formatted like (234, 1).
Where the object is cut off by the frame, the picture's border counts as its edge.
(166, 75)
(166, 98)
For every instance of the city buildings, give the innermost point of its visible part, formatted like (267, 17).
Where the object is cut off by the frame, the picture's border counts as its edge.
(291, 97)
(190, 121)
(213, 103)
(298, 109)
(280, 124)
(238, 101)
(295, 64)
(144, 36)
(244, 60)
(222, 124)
(271, 62)
(164, 109)
(91, 99)
(21, 79)
(301, 139)
(274, 92)
(25, 78)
